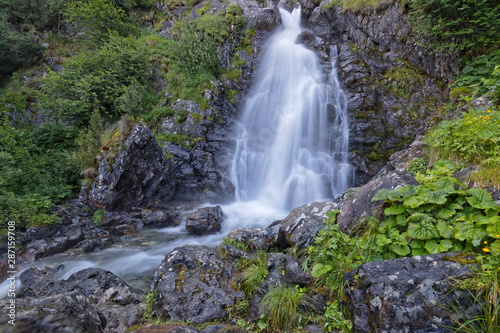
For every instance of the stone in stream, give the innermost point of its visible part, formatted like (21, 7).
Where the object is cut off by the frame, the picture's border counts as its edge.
(205, 220)
(257, 238)
(192, 283)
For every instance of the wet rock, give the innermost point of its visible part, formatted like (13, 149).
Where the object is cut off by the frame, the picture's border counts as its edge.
(160, 219)
(233, 254)
(69, 312)
(205, 220)
(137, 176)
(112, 219)
(301, 226)
(407, 294)
(255, 306)
(358, 205)
(192, 283)
(45, 247)
(257, 238)
(33, 280)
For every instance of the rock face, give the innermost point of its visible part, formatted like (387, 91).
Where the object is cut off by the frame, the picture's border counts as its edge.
(258, 238)
(92, 300)
(192, 283)
(138, 176)
(301, 226)
(357, 205)
(407, 294)
(205, 220)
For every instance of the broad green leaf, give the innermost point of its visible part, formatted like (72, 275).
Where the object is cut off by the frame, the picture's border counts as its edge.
(445, 230)
(455, 206)
(446, 184)
(320, 269)
(400, 250)
(333, 214)
(445, 245)
(495, 247)
(437, 197)
(432, 246)
(456, 247)
(481, 199)
(468, 231)
(419, 252)
(386, 194)
(493, 228)
(401, 220)
(425, 208)
(382, 240)
(415, 201)
(446, 213)
(409, 192)
(423, 230)
(416, 244)
(395, 209)
(387, 224)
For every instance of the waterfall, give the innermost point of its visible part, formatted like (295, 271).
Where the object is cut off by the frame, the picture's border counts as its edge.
(292, 140)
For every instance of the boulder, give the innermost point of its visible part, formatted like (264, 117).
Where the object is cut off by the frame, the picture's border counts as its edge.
(358, 205)
(205, 220)
(257, 238)
(301, 226)
(192, 283)
(117, 304)
(414, 294)
(160, 219)
(137, 176)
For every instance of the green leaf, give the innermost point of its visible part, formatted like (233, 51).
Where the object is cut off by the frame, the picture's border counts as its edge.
(437, 197)
(416, 244)
(410, 192)
(468, 231)
(395, 209)
(415, 201)
(445, 230)
(382, 240)
(400, 250)
(432, 246)
(320, 269)
(446, 213)
(445, 245)
(495, 247)
(455, 206)
(423, 230)
(481, 199)
(386, 194)
(446, 184)
(333, 214)
(419, 252)
(493, 228)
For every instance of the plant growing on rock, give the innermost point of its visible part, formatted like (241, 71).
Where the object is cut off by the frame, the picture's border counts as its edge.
(281, 306)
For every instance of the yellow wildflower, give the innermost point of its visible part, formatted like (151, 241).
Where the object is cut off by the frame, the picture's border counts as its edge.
(485, 242)
(486, 249)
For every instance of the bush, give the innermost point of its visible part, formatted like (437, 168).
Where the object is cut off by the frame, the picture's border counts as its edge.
(457, 25)
(112, 80)
(281, 306)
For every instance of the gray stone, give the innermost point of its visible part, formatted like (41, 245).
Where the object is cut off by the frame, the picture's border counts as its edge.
(257, 238)
(205, 220)
(408, 294)
(192, 283)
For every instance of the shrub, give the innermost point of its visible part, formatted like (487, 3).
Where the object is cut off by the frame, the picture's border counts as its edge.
(281, 306)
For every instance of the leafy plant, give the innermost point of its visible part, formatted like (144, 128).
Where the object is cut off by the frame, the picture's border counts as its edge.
(335, 319)
(98, 216)
(437, 216)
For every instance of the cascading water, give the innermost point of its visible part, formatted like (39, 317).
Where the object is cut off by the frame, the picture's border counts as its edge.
(293, 137)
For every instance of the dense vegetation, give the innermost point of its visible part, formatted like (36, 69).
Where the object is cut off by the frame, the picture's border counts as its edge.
(53, 123)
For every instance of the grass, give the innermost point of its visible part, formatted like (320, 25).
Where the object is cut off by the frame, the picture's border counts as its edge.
(281, 306)
(253, 275)
(357, 5)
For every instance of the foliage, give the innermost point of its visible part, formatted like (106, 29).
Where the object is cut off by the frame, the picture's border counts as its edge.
(89, 144)
(335, 319)
(98, 216)
(418, 165)
(437, 216)
(253, 275)
(493, 84)
(39, 14)
(97, 18)
(281, 306)
(335, 253)
(354, 5)
(235, 243)
(472, 138)
(110, 80)
(456, 25)
(187, 141)
(478, 71)
(16, 48)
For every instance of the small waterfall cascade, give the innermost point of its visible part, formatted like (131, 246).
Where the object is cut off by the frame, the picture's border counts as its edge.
(292, 140)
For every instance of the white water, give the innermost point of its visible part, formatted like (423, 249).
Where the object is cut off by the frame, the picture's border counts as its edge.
(289, 151)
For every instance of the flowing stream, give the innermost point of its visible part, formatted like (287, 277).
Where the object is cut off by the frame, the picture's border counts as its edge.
(291, 150)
